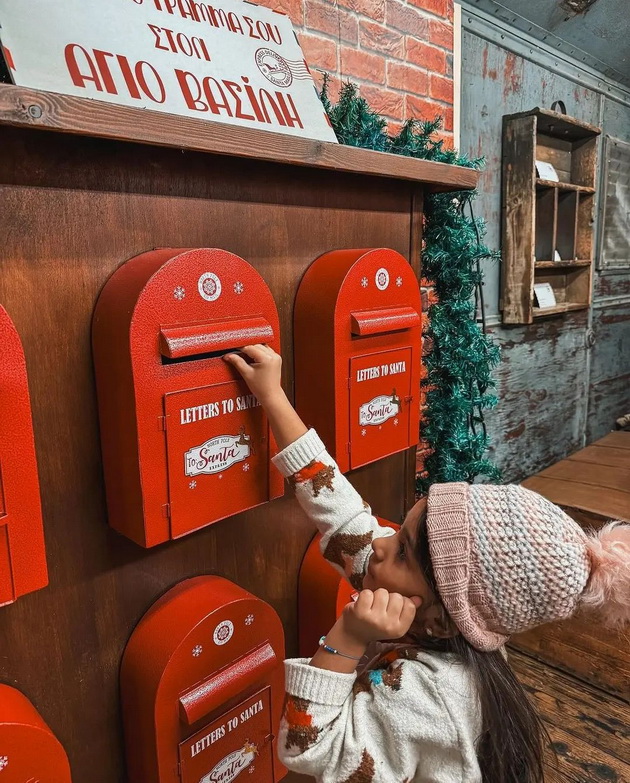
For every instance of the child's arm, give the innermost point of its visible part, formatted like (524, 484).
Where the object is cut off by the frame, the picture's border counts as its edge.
(327, 497)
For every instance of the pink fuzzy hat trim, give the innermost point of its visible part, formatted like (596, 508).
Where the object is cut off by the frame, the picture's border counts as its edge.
(608, 589)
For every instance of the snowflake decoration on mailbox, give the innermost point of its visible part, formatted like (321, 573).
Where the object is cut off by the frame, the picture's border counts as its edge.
(199, 719)
(174, 416)
(362, 391)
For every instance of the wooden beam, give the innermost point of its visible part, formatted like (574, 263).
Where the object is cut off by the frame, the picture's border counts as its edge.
(26, 108)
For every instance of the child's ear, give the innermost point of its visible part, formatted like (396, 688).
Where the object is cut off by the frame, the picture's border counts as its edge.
(440, 624)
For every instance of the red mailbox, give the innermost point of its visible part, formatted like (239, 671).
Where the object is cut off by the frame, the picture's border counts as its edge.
(22, 553)
(202, 686)
(29, 751)
(184, 441)
(322, 595)
(358, 353)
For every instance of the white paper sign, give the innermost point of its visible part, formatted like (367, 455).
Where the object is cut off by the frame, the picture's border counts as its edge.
(546, 171)
(544, 295)
(228, 61)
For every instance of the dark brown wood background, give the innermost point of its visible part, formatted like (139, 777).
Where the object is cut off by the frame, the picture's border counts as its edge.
(73, 209)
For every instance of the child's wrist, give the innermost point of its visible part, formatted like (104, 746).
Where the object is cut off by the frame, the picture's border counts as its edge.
(341, 639)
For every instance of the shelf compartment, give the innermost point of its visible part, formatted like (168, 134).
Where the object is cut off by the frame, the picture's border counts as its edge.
(545, 225)
(571, 286)
(573, 159)
(566, 225)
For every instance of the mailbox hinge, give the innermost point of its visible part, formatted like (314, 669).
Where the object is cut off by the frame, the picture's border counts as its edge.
(166, 510)
(348, 448)
(162, 423)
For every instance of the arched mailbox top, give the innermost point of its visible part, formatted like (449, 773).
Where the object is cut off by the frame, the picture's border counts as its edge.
(203, 300)
(342, 284)
(377, 280)
(28, 748)
(206, 653)
(199, 627)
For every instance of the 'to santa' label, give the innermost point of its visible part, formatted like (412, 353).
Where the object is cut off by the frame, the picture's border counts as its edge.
(379, 410)
(232, 765)
(217, 454)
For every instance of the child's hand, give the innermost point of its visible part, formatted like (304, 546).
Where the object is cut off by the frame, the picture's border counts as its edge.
(379, 615)
(263, 376)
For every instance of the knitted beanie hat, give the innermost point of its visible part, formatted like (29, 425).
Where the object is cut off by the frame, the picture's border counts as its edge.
(506, 559)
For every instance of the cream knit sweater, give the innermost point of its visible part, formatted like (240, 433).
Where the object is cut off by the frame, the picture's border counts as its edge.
(414, 715)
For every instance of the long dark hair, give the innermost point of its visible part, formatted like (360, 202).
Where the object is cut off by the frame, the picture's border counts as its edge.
(510, 748)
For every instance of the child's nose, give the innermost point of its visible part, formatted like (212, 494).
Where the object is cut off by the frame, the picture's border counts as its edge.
(377, 548)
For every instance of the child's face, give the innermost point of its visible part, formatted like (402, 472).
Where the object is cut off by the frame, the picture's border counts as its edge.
(393, 563)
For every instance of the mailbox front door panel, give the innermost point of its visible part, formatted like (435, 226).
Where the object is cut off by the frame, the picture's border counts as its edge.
(380, 385)
(237, 742)
(217, 454)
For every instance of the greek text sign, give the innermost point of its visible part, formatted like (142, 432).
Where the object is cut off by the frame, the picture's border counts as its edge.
(227, 61)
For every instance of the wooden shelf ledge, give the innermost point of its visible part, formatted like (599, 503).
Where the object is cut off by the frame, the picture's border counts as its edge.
(565, 307)
(562, 264)
(549, 183)
(26, 108)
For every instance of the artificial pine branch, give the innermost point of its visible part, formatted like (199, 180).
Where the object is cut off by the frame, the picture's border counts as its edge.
(459, 367)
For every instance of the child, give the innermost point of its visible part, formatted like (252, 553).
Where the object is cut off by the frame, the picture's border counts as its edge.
(470, 566)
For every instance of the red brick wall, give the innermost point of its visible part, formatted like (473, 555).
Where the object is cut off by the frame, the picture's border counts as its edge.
(400, 52)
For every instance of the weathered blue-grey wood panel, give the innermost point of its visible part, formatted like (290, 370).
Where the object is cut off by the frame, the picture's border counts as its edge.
(542, 388)
(609, 377)
(609, 381)
(555, 393)
(616, 123)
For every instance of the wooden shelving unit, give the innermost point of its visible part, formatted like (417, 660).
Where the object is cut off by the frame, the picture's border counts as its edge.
(543, 217)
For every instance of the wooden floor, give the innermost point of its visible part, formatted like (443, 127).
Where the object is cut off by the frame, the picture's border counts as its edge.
(594, 481)
(589, 728)
(577, 673)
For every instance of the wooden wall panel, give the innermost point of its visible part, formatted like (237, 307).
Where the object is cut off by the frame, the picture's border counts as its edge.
(541, 384)
(73, 210)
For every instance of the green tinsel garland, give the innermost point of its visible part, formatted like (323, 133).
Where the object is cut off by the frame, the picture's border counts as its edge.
(459, 368)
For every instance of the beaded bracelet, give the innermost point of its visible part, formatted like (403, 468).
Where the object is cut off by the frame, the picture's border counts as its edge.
(324, 646)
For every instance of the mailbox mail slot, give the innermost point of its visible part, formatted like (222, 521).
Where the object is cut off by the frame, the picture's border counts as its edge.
(202, 687)
(22, 553)
(184, 441)
(29, 751)
(357, 337)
